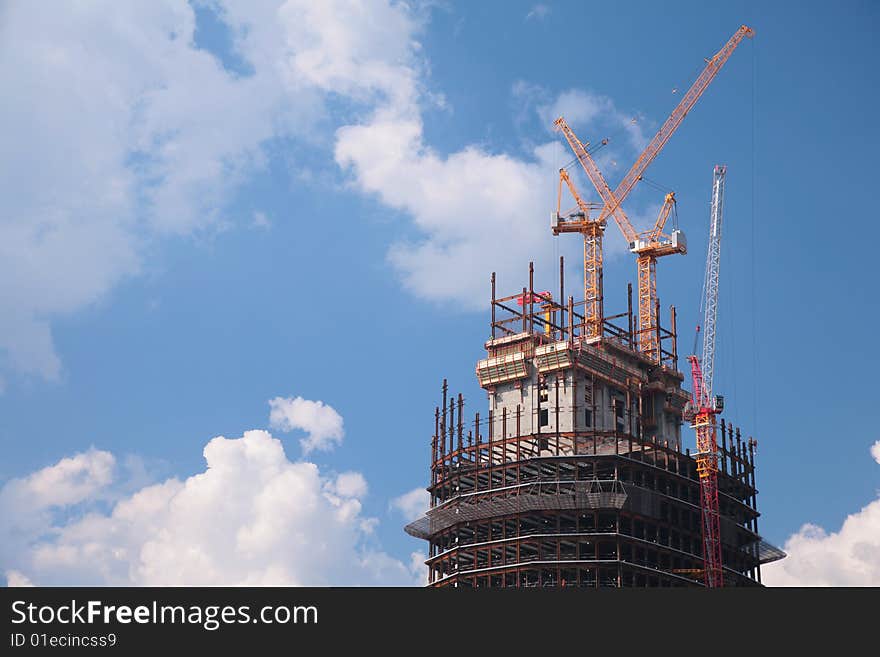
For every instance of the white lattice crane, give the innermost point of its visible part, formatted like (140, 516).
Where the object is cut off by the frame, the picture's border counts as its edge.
(704, 404)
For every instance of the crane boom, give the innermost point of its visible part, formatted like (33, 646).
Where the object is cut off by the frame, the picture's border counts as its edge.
(713, 65)
(583, 206)
(668, 204)
(598, 180)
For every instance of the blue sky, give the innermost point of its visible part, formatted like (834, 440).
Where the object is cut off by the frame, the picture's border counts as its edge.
(234, 226)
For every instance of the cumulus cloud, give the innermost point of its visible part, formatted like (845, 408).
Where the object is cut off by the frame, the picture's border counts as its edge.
(357, 49)
(349, 484)
(581, 107)
(412, 504)
(847, 557)
(460, 203)
(68, 482)
(143, 135)
(320, 421)
(475, 211)
(107, 146)
(252, 517)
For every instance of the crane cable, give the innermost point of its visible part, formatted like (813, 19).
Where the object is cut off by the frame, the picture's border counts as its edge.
(755, 378)
(555, 241)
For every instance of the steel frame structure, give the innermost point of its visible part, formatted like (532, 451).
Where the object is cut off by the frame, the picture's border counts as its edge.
(514, 506)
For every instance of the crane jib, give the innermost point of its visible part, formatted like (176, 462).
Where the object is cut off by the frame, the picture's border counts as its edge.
(671, 124)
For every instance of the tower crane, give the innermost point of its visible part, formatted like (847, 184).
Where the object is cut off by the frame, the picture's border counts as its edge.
(705, 406)
(648, 245)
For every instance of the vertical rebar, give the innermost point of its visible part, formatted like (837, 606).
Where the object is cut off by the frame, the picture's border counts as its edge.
(460, 422)
(723, 447)
(561, 292)
(657, 332)
(443, 414)
(441, 440)
(531, 295)
(557, 414)
(451, 427)
(436, 433)
(629, 313)
(493, 305)
(739, 455)
(752, 445)
(434, 446)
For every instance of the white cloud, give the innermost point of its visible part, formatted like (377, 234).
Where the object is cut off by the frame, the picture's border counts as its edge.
(125, 132)
(598, 112)
(320, 421)
(119, 131)
(847, 557)
(475, 211)
(412, 504)
(355, 48)
(418, 568)
(142, 135)
(252, 517)
(15, 578)
(875, 451)
(349, 484)
(538, 12)
(260, 220)
(68, 482)
(461, 203)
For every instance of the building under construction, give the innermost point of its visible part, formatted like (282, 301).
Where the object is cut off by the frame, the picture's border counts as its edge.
(576, 476)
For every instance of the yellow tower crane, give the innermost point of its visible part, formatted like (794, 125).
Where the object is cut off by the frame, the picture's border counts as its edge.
(647, 245)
